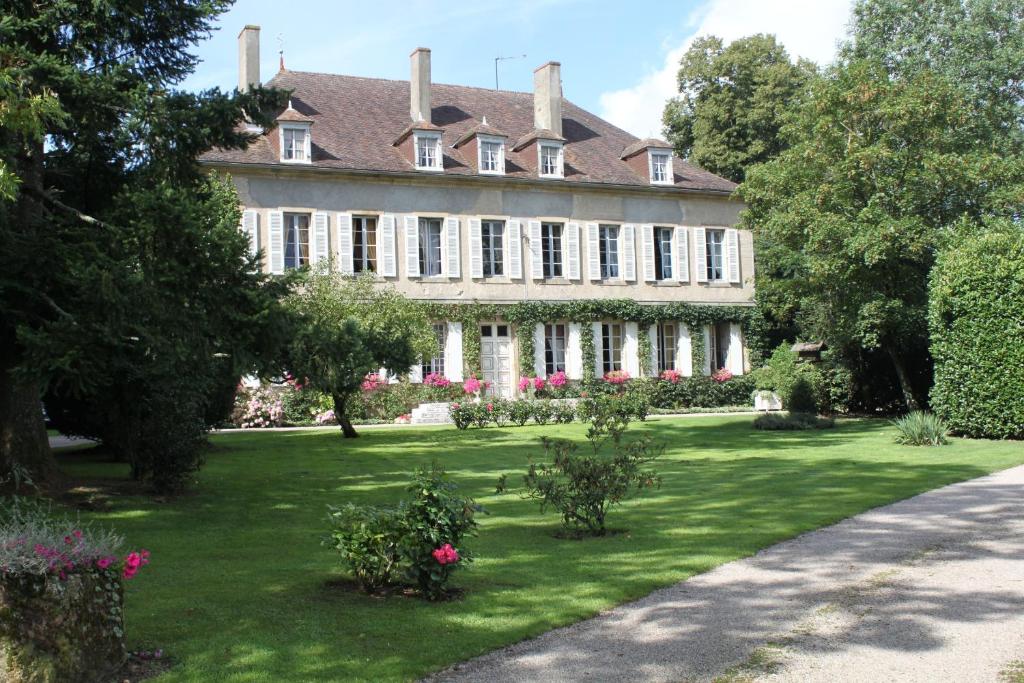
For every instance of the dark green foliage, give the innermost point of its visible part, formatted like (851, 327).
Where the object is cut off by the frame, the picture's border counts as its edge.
(792, 421)
(461, 414)
(921, 428)
(369, 541)
(543, 412)
(399, 398)
(703, 392)
(977, 337)
(800, 398)
(500, 410)
(520, 412)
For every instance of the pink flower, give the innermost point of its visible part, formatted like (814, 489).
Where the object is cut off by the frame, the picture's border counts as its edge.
(538, 383)
(490, 407)
(455, 406)
(557, 379)
(524, 384)
(616, 377)
(104, 562)
(436, 380)
(67, 539)
(446, 554)
(671, 376)
(721, 375)
(76, 533)
(372, 382)
(471, 385)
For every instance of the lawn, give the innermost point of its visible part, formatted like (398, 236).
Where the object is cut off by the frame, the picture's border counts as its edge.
(239, 586)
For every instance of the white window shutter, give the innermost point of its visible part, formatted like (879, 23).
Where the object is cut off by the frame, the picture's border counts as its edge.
(631, 349)
(573, 353)
(647, 247)
(388, 258)
(452, 227)
(598, 349)
(732, 251)
(684, 351)
(321, 228)
(343, 240)
(593, 253)
(276, 242)
(412, 247)
(681, 254)
(700, 254)
(538, 350)
(251, 229)
(453, 352)
(629, 253)
(734, 361)
(416, 373)
(707, 351)
(515, 249)
(476, 247)
(571, 251)
(536, 251)
(652, 362)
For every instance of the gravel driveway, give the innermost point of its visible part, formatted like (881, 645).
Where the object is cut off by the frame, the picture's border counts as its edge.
(927, 589)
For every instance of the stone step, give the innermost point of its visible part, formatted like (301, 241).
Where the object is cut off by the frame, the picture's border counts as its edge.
(430, 413)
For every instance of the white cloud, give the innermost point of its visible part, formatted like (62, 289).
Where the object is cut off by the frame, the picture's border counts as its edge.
(808, 28)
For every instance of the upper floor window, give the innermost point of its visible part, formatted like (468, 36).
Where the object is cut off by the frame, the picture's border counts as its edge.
(666, 335)
(611, 347)
(428, 151)
(663, 253)
(715, 242)
(364, 244)
(296, 240)
(492, 234)
(436, 364)
(608, 243)
(551, 249)
(550, 159)
(492, 155)
(430, 246)
(554, 348)
(295, 144)
(661, 166)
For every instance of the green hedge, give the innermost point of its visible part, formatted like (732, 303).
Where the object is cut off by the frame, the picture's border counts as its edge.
(703, 392)
(976, 321)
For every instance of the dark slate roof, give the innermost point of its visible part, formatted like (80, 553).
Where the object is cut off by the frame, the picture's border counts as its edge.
(479, 129)
(641, 145)
(358, 119)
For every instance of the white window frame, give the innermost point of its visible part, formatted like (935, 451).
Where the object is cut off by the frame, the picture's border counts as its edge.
(306, 146)
(669, 178)
(547, 248)
(490, 139)
(551, 338)
(424, 255)
(436, 364)
(560, 159)
(607, 244)
(661, 259)
(491, 253)
(721, 264)
(612, 345)
(427, 137)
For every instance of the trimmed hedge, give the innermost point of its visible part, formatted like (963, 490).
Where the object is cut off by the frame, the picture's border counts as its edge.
(703, 392)
(976, 321)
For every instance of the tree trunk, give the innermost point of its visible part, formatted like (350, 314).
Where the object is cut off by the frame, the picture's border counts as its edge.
(347, 430)
(904, 378)
(23, 440)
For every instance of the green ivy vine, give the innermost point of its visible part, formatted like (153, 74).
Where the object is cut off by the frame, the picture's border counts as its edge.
(589, 353)
(646, 350)
(697, 350)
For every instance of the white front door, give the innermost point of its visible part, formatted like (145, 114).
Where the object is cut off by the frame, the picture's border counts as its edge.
(496, 358)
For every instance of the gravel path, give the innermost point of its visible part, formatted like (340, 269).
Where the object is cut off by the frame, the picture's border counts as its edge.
(927, 589)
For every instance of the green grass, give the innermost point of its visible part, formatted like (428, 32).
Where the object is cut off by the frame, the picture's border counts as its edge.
(238, 587)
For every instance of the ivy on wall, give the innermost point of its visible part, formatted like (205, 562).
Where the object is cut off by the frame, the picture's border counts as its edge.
(646, 349)
(527, 314)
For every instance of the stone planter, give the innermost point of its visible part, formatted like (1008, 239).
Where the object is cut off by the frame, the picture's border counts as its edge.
(54, 631)
(767, 400)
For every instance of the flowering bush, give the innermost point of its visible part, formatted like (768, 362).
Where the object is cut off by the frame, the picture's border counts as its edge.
(372, 382)
(326, 418)
(258, 408)
(436, 380)
(446, 554)
(671, 376)
(302, 403)
(403, 419)
(524, 385)
(616, 377)
(558, 379)
(461, 414)
(472, 385)
(538, 383)
(519, 412)
(721, 375)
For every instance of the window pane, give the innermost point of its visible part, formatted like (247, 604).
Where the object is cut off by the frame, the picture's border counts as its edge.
(608, 247)
(430, 246)
(715, 238)
(296, 248)
(551, 249)
(436, 364)
(485, 330)
(502, 331)
(492, 247)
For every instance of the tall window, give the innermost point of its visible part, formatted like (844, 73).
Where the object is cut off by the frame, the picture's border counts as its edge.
(554, 349)
(663, 253)
(293, 143)
(551, 160)
(428, 151)
(492, 235)
(296, 240)
(430, 246)
(718, 349)
(551, 249)
(436, 364)
(364, 244)
(666, 333)
(715, 241)
(491, 156)
(660, 167)
(608, 243)
(611, 347)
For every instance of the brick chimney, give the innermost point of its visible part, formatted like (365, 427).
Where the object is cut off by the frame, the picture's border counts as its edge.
(547, 97)
(419, 85)
(249, 57)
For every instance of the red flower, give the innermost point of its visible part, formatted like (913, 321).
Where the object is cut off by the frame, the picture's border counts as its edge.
(446, 554)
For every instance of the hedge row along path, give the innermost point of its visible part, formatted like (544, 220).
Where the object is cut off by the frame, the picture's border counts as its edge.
(927, 589)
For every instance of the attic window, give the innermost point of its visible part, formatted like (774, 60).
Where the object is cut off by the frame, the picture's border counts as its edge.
(550, 159)
(492, 155)
(295, 144)
(428, 151)
(661, 167)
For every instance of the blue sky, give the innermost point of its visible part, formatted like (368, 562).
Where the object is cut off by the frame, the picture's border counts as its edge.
(618, 58)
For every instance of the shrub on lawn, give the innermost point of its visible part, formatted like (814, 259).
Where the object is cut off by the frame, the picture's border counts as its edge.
(700, 392)
(60, 597)
(584, 488)
(542, 412)
(519, 412)
(976, 305)
(461, 414)
(921, 428)
(804, 387)
(369, 542)
(791, 421)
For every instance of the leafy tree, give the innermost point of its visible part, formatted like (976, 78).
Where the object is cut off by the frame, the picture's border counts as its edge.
(119, 265)
(879, 173)
(732, 102)
(346, 328)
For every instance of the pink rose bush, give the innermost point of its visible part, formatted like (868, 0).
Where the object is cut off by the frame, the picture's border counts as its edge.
(436, 380)
(617, 377)
(258, 409)
(446, 554)
(372, 382)
(721, 375)
(557, 380)
(671, 376)
(326, 418)
(538, 383)
(524, 385)
(472, 385)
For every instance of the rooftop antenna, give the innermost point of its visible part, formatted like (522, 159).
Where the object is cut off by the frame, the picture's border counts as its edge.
(280, 50)
(502, 59)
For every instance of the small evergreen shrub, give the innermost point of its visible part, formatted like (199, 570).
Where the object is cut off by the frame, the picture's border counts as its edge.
(461, 414)
(369, 542)
(563, 413)
(800, 397)
(519, 412)
(500, 411)
(921, 428)
(792, 421)
(543, 412)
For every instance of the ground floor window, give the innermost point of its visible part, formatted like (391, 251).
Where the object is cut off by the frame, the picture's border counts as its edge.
(436, 364)
(611, 347)
(718, 348)
(666, 344)
(554, 348)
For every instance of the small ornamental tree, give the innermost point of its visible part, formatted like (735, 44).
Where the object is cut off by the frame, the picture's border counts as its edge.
(977, 340)
(346, 328)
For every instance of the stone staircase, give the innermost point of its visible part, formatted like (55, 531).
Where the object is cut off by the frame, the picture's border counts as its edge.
(430, 414)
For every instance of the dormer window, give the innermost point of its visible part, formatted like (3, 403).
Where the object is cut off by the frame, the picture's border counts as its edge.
(661, 166)
(550, 159)
(295, 144)
(428, 151)
(492, 155)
